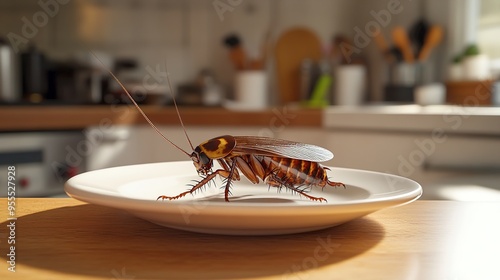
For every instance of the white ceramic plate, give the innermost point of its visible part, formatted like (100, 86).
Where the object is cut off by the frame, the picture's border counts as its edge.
(252, 210)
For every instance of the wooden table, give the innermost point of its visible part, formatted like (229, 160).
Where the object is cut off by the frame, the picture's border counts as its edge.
(67, 239)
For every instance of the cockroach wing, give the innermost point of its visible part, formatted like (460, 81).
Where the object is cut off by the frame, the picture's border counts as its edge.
(278, 147)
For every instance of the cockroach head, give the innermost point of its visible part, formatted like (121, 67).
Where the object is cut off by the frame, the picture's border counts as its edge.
(201, 161)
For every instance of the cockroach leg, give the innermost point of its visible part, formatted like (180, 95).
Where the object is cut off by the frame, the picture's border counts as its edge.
(204, 181)
(301, 192)
(229, 179)
(335, 184)
(276, 181)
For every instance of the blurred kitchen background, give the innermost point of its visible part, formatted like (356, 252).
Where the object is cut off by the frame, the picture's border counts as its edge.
(398, 86)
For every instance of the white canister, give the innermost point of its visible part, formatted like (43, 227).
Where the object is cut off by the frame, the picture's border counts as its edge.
(251, 89)
(430, 94)
(349, 84)
(405, 74)
(476, 68)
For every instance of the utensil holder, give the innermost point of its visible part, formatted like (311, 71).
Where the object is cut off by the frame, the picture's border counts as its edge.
(403, 78)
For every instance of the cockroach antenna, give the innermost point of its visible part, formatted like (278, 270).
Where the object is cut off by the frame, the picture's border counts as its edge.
(175, 104)
(139, 108)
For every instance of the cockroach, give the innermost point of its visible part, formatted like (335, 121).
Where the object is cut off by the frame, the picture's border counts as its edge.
(279, 163)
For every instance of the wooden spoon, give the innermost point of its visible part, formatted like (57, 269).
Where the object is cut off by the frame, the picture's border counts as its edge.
(433, 39)
(402, 41)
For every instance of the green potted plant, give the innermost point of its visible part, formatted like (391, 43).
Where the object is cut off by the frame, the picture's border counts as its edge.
(475, 66)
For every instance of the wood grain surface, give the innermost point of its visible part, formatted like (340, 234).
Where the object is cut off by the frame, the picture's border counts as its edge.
(66, 239)
(19, 118)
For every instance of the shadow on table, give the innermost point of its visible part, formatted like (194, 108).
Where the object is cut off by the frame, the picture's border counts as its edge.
(99, 241)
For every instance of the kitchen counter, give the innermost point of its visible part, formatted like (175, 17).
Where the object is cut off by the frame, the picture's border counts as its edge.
(66, 239)
(452, 119)
(22, 118)
(415, 118)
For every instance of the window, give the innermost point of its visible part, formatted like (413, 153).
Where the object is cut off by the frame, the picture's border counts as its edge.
(488, 30)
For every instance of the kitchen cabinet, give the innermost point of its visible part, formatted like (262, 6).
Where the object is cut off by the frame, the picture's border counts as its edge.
(40, 162)
(118, 145)
(415, 155)
(437, 147)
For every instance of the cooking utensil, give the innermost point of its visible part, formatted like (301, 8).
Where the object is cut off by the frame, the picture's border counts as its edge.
(401, 40)
(237, 54)
(292, 47)
(418, 34)
(433, 39)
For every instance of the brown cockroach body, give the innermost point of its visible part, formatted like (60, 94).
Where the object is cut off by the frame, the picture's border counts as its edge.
(279, 163)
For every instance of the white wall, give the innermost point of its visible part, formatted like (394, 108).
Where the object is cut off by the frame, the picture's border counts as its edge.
(189, 33)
